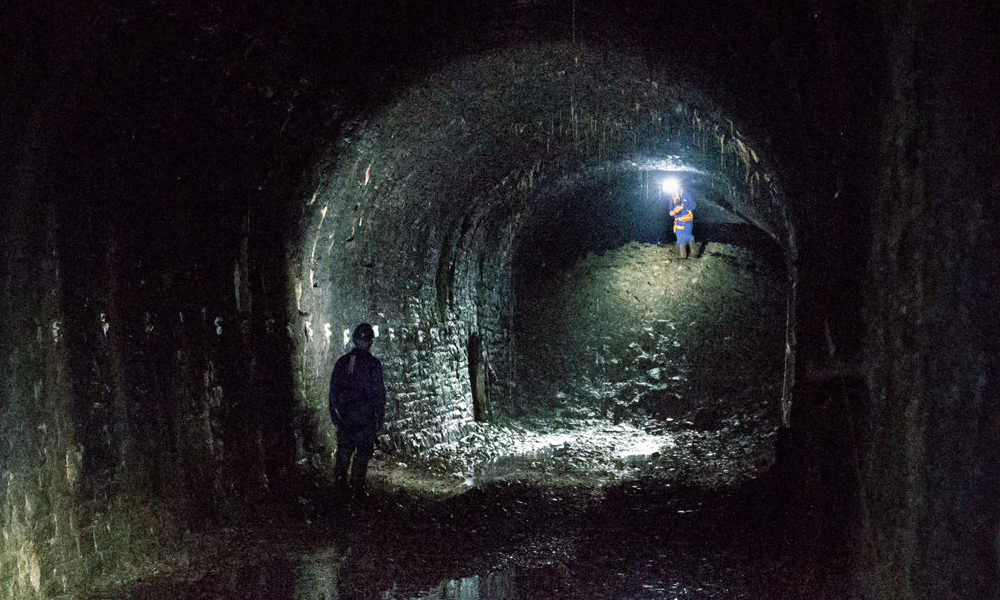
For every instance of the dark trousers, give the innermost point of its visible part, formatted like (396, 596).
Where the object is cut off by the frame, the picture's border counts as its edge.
(362, 453)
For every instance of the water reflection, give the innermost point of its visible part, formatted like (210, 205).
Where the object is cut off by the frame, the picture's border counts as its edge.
(316, 576)
(495, 586)
(328, 575)
(634, 541)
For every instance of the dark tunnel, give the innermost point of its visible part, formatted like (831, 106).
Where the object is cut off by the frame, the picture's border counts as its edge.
(201, 202)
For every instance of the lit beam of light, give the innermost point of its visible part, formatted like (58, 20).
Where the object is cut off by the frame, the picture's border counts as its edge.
(671, 186)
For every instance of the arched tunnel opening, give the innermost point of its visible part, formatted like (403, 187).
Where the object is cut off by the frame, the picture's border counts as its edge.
(201, 203)
(494, 324)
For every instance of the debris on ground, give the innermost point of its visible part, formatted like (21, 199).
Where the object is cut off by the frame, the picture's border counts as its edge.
(649, 366)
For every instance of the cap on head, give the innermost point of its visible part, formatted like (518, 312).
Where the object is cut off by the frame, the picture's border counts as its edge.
(363, 333)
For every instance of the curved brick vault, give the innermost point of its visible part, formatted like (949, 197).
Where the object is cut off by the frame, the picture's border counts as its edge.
(198, 201)
(413, 219)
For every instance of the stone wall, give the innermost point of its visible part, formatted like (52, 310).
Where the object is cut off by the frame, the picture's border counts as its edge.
(425, 300)
(410, 219)
(77, 499)
(932, 476)
(146, 388)
(134, 404)
(41, 461)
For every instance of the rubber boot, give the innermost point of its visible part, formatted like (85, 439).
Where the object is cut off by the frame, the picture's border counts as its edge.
(692, 252)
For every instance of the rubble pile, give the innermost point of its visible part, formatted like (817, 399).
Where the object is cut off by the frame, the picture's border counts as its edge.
(647, 367)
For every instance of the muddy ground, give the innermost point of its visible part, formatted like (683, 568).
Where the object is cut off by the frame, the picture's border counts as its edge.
(641, 539)
(637, 462)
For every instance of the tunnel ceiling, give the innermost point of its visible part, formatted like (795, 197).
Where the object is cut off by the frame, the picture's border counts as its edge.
(455, 164)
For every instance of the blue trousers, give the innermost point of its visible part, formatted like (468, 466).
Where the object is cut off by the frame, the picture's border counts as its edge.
(684, 234)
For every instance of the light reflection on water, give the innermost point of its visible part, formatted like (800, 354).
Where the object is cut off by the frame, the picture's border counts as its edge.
(316, 578)
(495, 586)
(514, 543)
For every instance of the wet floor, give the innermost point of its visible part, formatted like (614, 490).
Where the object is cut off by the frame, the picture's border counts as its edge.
(652, 481)
(506, 540)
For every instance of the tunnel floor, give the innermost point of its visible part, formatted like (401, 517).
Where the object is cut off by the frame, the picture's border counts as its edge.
(642, 539)
(575, 502)
(591, 453)
(590, 513)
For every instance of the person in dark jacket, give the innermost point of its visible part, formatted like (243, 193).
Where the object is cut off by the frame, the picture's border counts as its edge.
(357, 408)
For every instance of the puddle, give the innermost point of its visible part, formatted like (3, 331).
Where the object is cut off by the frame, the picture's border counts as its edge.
(634, 540)
(330, 576)
(493, 586)
(316, 576)
(324, 576)
(511, 466)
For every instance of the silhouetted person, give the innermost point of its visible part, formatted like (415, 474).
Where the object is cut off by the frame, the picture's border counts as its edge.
(357, 408)
(682, 210)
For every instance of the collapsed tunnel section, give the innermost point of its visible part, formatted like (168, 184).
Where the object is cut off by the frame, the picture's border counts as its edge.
(611, 321)
(416, 217)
